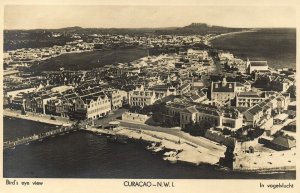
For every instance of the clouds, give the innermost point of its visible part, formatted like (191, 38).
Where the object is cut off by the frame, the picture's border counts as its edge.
(57, 16)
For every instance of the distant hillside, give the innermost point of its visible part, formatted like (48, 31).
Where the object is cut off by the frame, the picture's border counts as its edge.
(199, 28)
(34, 38)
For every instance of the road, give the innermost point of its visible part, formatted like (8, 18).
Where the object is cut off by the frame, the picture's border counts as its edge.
(111, 117)
(203, 142)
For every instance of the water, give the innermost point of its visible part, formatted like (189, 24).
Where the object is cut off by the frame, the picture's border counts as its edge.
(277, 46)
(85, 155)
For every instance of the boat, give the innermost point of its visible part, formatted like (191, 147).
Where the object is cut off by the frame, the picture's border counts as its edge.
(157, 149)
(222, 168)
(173, 161)
(40, 139)
(13, 147)
(117, 138)
(26, 143)
(62, 134)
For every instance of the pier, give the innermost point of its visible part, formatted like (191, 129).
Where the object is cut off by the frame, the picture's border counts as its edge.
(35, 137)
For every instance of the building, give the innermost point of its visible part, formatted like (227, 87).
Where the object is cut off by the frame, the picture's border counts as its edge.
(141, 98)
(184, 88)
(191, 113)
(92, 106)
(115, 97)
(256, 66)
(249, 99)
(280, 118)
(281, 143)
(162, 91)
(260, 113)
(223, 92)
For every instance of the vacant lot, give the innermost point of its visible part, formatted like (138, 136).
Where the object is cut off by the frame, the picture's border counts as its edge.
(90, 60)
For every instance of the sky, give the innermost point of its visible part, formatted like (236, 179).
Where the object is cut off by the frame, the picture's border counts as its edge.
(112, 16)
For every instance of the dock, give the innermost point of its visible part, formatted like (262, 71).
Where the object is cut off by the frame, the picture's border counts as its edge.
(36, 137)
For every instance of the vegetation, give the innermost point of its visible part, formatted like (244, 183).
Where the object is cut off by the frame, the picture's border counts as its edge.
(199, 128)
(247, 133)
(158, 112)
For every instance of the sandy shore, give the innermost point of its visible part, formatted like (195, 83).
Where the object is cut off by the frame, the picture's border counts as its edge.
(265, 161)
(231, 33)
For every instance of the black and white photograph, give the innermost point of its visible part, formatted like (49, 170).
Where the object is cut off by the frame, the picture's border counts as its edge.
(162, 91)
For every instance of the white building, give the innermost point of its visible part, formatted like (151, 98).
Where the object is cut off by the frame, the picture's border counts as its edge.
(256, 66)
(93, 106)
(141, 98)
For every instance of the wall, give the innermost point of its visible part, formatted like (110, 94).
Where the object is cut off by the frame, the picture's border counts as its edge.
(220, 138)
(134, 117)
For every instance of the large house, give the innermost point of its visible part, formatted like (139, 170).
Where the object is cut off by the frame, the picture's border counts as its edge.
(141, 98)
(256, 66)
(223, 92)
(115, 97)
(249, 99)
(260, 113)
(162, 91)
(193, 113)
(92, 106)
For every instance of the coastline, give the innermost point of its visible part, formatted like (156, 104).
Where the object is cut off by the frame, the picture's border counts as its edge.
(185, 152)
(180, 150)
(42, 119)
(231, 33)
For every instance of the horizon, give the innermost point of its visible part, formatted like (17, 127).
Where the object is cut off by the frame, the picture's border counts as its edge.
(131, 28)
(136, 17)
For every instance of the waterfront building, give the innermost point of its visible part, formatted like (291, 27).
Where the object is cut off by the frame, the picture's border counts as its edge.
(256, 66)
(115, 97)
(193, 113)
(92, 106)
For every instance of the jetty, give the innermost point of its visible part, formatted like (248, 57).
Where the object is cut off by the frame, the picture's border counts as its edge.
(36, 137)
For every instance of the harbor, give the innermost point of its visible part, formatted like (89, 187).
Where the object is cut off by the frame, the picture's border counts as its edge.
(167, 144)
(69, 155)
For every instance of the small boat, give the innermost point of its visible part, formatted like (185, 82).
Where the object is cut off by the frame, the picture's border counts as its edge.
(156, 150)
(27, 144)
(13, 147)
(62, 134)
(173, 161)
(52, 135)
(118, 138)
(99, 134)
(40, 139)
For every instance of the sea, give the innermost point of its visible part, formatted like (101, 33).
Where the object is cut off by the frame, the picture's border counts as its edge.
(85, 155)
(275, 45)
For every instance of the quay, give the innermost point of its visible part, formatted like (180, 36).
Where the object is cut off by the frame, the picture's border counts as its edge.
(35, 137)
(185, 151)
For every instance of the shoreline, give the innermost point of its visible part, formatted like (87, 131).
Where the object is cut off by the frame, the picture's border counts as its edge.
(187, 153)
(41, 119)
(230, 33)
